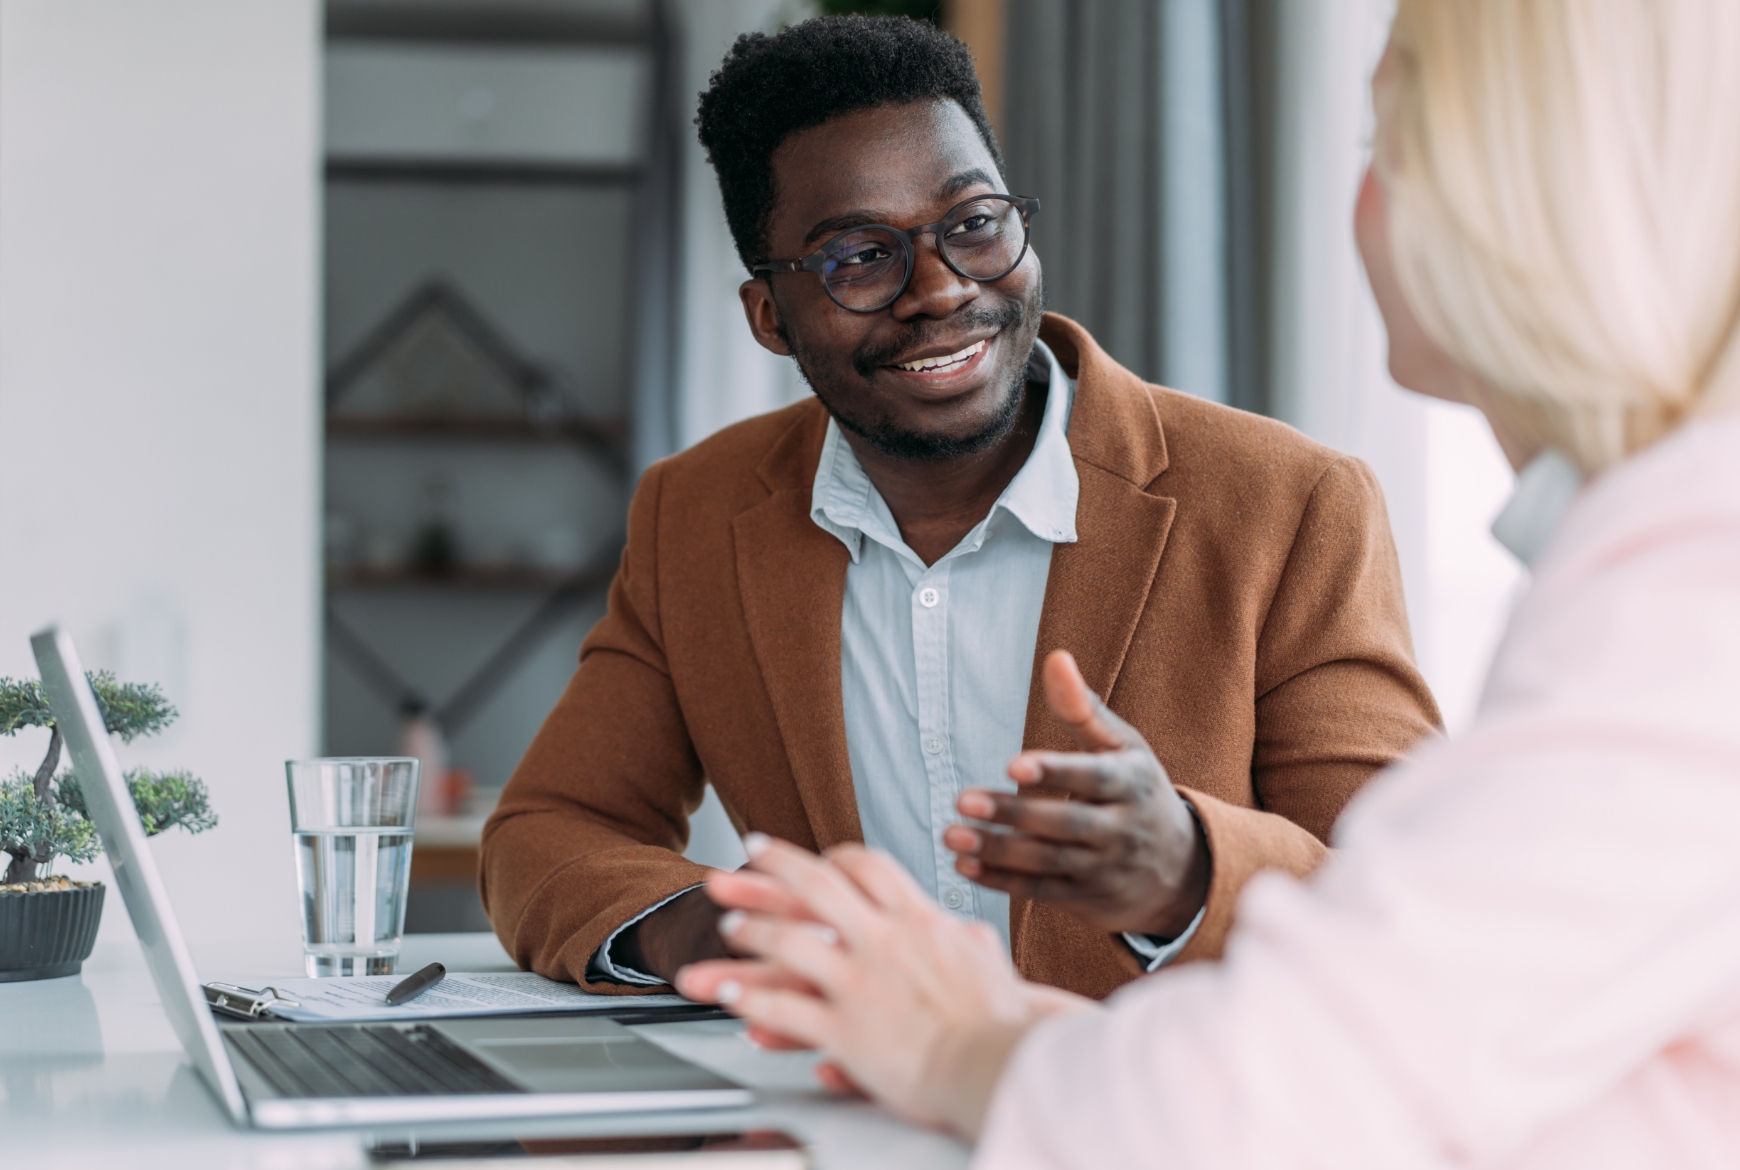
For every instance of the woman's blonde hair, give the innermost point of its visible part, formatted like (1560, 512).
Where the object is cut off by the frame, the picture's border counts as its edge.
(1563, 178)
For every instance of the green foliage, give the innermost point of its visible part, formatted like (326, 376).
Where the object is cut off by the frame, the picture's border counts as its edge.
(165, 800)
(36, 831)
(129, 709)
(41, 831)
(22, 704)
(930, 10)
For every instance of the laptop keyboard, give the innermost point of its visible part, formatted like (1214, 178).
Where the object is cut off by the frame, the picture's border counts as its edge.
(364, 1061)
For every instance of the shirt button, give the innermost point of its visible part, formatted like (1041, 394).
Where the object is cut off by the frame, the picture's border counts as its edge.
(928, 597)
(933, 744)
(954, 899)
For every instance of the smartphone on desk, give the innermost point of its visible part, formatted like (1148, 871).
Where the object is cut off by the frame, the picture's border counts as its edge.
(751, 1149)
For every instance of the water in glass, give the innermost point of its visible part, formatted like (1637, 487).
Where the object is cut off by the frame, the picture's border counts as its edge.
(353, 905)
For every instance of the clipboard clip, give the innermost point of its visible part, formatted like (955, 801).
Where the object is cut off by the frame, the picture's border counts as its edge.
(245, 1003)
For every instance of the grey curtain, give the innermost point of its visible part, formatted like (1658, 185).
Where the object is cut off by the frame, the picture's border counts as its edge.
(1134, 122)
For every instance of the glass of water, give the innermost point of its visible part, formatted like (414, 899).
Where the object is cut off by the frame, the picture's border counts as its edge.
(352, 818)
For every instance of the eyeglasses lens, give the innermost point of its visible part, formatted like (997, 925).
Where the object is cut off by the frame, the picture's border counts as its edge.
(867, 269)
(984, 239)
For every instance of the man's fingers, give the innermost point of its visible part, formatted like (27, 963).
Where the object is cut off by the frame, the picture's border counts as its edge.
(1089, 720)
(1101, 777)
(1064, 822)
(1018, 853)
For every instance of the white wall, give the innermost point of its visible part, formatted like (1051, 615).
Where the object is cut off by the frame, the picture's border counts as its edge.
(159, 417)
(1442, 475)
(722, 374)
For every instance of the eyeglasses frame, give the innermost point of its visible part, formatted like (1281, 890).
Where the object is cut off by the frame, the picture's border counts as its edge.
(817, 261)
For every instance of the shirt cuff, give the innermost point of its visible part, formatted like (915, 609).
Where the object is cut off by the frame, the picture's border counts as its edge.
(1156, 954)
(602, 967)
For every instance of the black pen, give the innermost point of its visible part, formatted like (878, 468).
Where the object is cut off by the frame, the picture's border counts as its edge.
(416, 985)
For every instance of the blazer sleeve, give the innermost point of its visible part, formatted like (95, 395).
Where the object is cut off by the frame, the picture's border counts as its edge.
(590, 829)
(1338, 696)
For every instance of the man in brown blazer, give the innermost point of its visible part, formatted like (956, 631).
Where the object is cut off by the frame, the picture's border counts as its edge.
(839, 614)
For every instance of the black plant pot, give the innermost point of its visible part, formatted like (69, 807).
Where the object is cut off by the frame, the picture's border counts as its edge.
(46, 934)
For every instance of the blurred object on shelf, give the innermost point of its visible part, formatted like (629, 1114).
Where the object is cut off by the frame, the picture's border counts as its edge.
(456, 789)
(420, 737)
(435, 551)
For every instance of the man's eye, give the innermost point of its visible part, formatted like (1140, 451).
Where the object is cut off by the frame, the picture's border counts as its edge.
(972, 223)
(865, 254)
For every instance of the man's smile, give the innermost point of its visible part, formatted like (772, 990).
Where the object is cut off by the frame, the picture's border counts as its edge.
(946, 362)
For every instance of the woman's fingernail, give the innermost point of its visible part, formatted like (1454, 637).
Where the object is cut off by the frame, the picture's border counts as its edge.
(826, 933)
(755, 844)
(729, 991)
(730, 921)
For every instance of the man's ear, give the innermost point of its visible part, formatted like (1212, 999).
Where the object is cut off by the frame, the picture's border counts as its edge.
(763, 316)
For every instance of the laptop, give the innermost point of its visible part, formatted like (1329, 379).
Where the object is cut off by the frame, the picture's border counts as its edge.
(299, 1076)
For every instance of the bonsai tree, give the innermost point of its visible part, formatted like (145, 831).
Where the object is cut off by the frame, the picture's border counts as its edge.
(43, 816)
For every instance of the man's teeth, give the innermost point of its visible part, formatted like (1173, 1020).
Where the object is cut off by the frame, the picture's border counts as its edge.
(937, 363)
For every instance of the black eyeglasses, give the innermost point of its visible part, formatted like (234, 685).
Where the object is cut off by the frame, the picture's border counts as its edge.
(867, 268)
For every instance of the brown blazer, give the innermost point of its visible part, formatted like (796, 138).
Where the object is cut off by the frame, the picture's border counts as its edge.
(1234, 594)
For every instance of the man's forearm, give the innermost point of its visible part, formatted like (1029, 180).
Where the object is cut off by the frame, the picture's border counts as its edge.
(684, 930)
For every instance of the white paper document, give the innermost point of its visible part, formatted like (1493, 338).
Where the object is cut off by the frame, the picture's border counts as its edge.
(364, 998)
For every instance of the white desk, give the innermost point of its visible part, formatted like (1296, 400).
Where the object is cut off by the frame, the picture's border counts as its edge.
(91, 1076)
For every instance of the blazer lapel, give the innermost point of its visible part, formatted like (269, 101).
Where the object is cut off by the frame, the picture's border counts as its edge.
(1099, 585)
(1096, 592)
(792, 578)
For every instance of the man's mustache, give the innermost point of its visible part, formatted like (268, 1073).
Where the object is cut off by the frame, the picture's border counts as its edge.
(872, 356)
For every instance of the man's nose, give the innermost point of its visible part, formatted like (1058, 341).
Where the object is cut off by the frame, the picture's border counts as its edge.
(936, 289)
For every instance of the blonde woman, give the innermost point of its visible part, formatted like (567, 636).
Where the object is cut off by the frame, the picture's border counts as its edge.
(1526, 951)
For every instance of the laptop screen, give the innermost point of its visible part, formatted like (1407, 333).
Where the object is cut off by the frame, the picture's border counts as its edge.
(111, 810)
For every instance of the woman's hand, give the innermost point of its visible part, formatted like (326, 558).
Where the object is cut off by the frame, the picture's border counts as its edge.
(919, 1008)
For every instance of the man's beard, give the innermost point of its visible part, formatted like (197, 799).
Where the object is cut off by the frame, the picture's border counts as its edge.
(888, 437)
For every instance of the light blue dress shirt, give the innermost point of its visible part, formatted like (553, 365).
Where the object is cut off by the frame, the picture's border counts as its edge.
(936, 661)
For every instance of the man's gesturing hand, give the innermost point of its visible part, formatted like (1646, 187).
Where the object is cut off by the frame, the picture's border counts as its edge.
(1100, 833)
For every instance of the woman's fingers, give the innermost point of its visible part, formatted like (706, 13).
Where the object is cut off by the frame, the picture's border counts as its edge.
(774, 1041)
(747, 890)
(884, 879)
(835, 1080)
(700, 981)
(828, 894)
(791, 1014)
(806, 949)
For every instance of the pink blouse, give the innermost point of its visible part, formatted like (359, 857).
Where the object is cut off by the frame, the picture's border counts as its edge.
(1525, 951)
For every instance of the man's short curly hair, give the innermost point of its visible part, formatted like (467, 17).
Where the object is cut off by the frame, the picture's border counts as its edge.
(770, 87)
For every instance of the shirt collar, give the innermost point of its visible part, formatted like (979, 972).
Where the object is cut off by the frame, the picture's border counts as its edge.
(1545, 490)
(1042, 496)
